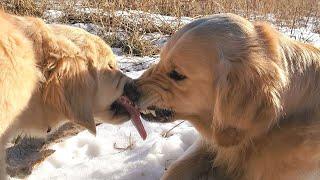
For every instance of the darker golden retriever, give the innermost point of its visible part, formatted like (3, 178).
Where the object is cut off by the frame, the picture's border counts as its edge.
(251, 92)
(51, 73)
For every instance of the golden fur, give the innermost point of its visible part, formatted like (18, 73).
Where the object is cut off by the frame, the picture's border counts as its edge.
(252, 93)
(51, 73)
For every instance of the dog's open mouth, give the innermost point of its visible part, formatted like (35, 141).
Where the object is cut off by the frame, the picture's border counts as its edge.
(156, 114)
(125, 106)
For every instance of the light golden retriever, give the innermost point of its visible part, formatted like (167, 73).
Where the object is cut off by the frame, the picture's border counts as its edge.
(53, 73)
(251, 92)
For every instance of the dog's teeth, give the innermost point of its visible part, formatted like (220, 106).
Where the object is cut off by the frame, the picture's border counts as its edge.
(153, 112)
(147, 111)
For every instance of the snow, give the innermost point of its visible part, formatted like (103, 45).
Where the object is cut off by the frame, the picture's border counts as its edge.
(87, 157)
(157, 19)
(90, 27)
(53, 15)
(133, 64)
(303, 34)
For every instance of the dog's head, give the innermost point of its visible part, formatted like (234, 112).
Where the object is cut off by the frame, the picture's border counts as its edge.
(222, 73)
(82, 78)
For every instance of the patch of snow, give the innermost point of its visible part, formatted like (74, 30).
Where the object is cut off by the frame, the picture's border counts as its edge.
(156, 38)
(109, 155)
(53, 15)
(88, 10)
(117, 51)
(128, 64)
(157, 19)
(303, 34)
(90, 27)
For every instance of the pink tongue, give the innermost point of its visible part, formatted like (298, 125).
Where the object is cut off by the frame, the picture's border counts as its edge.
(135, 115)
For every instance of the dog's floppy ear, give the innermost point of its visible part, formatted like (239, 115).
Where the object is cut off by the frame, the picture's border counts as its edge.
(249, 87)
(71, 82)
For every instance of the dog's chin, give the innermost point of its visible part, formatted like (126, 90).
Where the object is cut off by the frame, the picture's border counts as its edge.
(118, 113)
(157, 114)
(119, 119)
(114, 114)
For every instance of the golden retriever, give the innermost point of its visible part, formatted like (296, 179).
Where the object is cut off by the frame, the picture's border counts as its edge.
(53, 73)
(251, 92)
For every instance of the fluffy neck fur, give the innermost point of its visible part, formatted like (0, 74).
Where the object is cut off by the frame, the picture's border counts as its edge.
(301, 64)
(38, 116)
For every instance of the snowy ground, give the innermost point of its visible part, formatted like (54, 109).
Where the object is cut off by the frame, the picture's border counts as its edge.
(88, 157)
(118, 152)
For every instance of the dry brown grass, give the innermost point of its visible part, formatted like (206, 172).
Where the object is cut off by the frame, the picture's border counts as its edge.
(24, 7)
(119, 31)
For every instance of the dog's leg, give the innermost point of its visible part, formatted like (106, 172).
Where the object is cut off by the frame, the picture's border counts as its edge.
(195, 163)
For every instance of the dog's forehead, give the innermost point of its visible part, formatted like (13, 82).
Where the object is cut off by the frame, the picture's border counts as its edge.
(190, 55)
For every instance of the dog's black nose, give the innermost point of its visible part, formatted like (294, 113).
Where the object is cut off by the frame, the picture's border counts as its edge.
(131, 91)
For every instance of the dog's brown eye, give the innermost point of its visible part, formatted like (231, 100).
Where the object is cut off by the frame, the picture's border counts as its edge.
(176, 76)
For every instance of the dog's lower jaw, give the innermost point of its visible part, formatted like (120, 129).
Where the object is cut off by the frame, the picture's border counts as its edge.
(158, 114)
